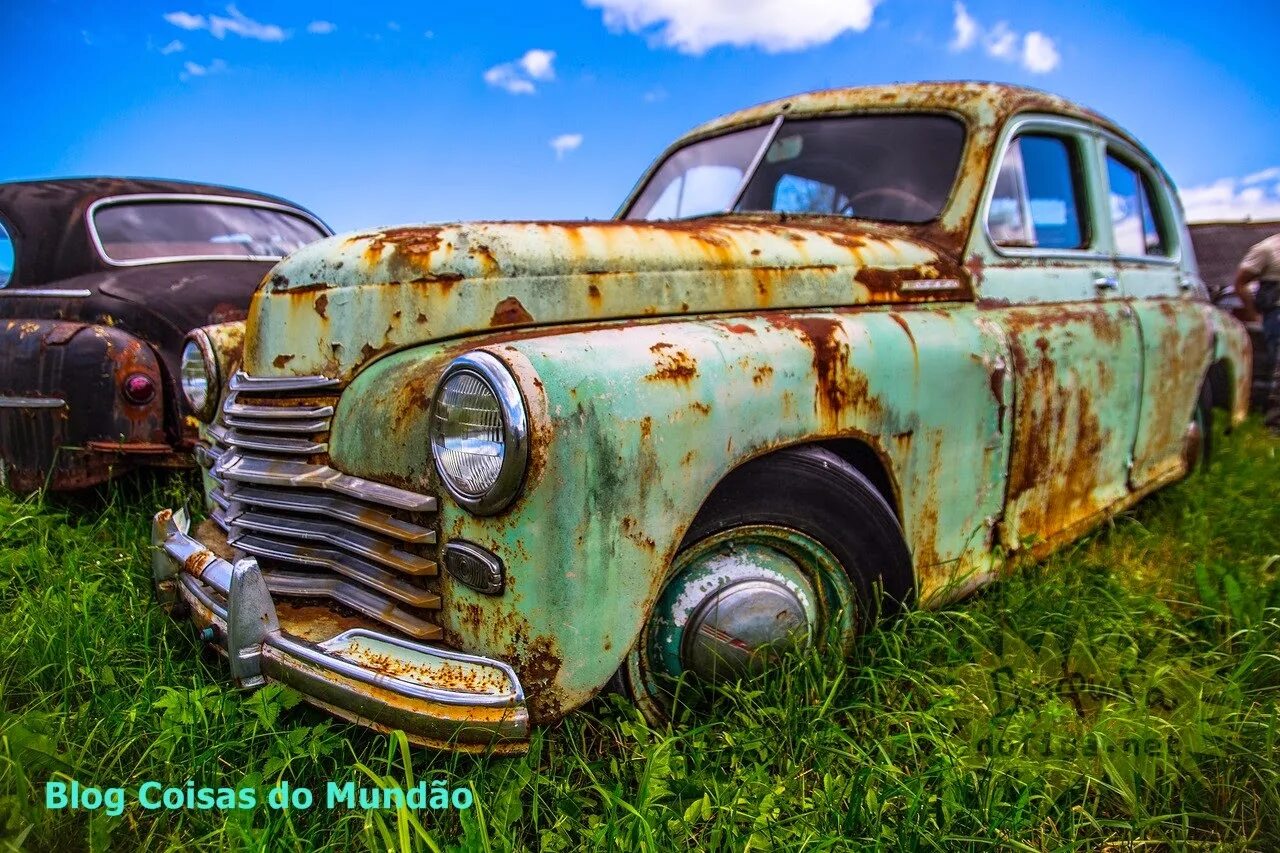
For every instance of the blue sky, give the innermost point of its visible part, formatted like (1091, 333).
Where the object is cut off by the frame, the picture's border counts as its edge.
(379, 113)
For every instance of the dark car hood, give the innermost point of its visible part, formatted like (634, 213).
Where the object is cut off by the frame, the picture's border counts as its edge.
(159, 303)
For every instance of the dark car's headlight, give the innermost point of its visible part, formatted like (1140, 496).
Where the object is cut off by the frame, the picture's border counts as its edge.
(198, 373)
(479, 433)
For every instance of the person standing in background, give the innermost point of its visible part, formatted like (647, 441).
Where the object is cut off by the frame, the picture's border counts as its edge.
(1262, 264)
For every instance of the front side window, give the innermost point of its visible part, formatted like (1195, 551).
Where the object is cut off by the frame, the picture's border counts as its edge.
(132, 232)
(6, 256)
(1134, 221)
(1036, 203)
(891, 168)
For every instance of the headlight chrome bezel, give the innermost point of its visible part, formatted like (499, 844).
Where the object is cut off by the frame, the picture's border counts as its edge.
(515, 432)
(213, 391)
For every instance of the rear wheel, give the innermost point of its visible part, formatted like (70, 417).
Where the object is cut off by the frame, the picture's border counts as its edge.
(791, 549)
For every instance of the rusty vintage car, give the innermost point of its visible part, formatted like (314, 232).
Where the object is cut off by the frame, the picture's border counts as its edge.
(837, 354)
(101, 279)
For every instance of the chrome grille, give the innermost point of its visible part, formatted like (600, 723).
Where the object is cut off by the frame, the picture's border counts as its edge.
(317, 532)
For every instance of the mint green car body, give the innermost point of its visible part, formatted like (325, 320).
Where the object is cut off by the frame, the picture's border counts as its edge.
(1004, 400)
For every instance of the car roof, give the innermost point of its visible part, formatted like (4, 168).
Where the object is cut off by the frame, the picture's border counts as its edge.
(981, 102)
(46, 217)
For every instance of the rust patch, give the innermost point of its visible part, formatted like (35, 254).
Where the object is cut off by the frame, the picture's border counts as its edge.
(674, 366)
(762, 374)
(322, 304)
(509, 312)
(281, 360)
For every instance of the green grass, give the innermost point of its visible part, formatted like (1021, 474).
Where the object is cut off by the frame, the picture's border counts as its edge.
(1160, 633)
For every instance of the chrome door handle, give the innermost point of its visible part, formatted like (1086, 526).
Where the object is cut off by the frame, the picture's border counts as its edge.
(1106, 282)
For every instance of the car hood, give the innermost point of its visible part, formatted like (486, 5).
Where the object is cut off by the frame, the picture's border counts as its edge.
(338, 303)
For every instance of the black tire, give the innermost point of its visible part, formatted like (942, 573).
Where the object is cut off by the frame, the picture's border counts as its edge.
(814, 491)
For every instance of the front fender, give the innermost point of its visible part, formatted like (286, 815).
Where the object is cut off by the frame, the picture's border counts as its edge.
(634, 425)
(63, 419)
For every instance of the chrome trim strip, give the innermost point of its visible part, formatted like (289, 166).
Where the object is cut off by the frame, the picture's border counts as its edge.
(272, 443)
(202, 198)
(360, 544)
(32, 403)
(307, 427)
(219, 498)
(369, 518)
(244, 382)
(756, 160)
(246, 410)
(311, 585)
(47, 293)
(281, 472)
(362, 571)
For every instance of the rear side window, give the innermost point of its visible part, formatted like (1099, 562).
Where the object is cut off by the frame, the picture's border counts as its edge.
(1037, 203)
(1135, 222)
(6, 256)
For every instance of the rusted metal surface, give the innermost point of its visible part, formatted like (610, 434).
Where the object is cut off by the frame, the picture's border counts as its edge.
(139, 316)
(1002, 404)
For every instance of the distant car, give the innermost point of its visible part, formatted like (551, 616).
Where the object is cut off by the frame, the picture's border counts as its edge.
(101, 279)
(1219, 247)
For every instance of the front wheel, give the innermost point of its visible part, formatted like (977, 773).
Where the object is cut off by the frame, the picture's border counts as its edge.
(791, 549)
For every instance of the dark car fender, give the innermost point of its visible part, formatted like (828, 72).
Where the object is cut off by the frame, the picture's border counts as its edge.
(64, 420)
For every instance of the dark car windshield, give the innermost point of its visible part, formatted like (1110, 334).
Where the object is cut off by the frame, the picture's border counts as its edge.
(894, 168)
(131, 232)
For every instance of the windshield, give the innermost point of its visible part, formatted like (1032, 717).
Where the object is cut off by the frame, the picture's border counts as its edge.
(893, 168)
(153, 230)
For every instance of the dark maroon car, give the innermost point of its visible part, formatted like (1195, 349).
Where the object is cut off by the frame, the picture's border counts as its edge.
(100, 281)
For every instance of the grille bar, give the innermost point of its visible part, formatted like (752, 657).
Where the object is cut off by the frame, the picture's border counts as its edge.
(311, 585)
(355, 568)
(245, 410)
(244, 468)
(308, 427)
(242, 381)
(268, 443)
(333, 506)
(360, 544)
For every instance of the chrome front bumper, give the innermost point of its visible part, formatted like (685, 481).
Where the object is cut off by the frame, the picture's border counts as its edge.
(438, 697)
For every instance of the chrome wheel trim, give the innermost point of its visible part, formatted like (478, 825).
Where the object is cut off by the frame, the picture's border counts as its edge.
(729, 580)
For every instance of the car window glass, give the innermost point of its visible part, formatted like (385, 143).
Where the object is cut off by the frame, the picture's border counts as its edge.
(6, 256)
(138, 231)
(1136, 222)
(700, 178)
(1036, 202)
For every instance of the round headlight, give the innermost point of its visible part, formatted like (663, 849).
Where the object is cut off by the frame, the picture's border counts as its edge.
(198, 373)
(479, 433)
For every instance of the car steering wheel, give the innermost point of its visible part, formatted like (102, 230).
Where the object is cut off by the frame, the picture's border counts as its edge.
(908, 205)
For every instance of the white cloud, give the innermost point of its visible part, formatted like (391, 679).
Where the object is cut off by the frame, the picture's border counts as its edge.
(566, 142)
(186, 21)
(321, 28)
(1001, 42)
(394, 26)
(518, 76)
(1035, 51)
(655, 95)
(775, 26)
(1039, 53)
(174, 46)
(1255, 196)
(236, 23)
(538, 64)
(966, 29)
(194, 69)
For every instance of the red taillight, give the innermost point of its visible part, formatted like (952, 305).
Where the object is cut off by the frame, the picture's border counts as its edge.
(138, 388)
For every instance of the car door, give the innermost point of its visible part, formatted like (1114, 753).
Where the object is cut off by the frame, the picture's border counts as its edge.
(1164, 291)
(1048, 280)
